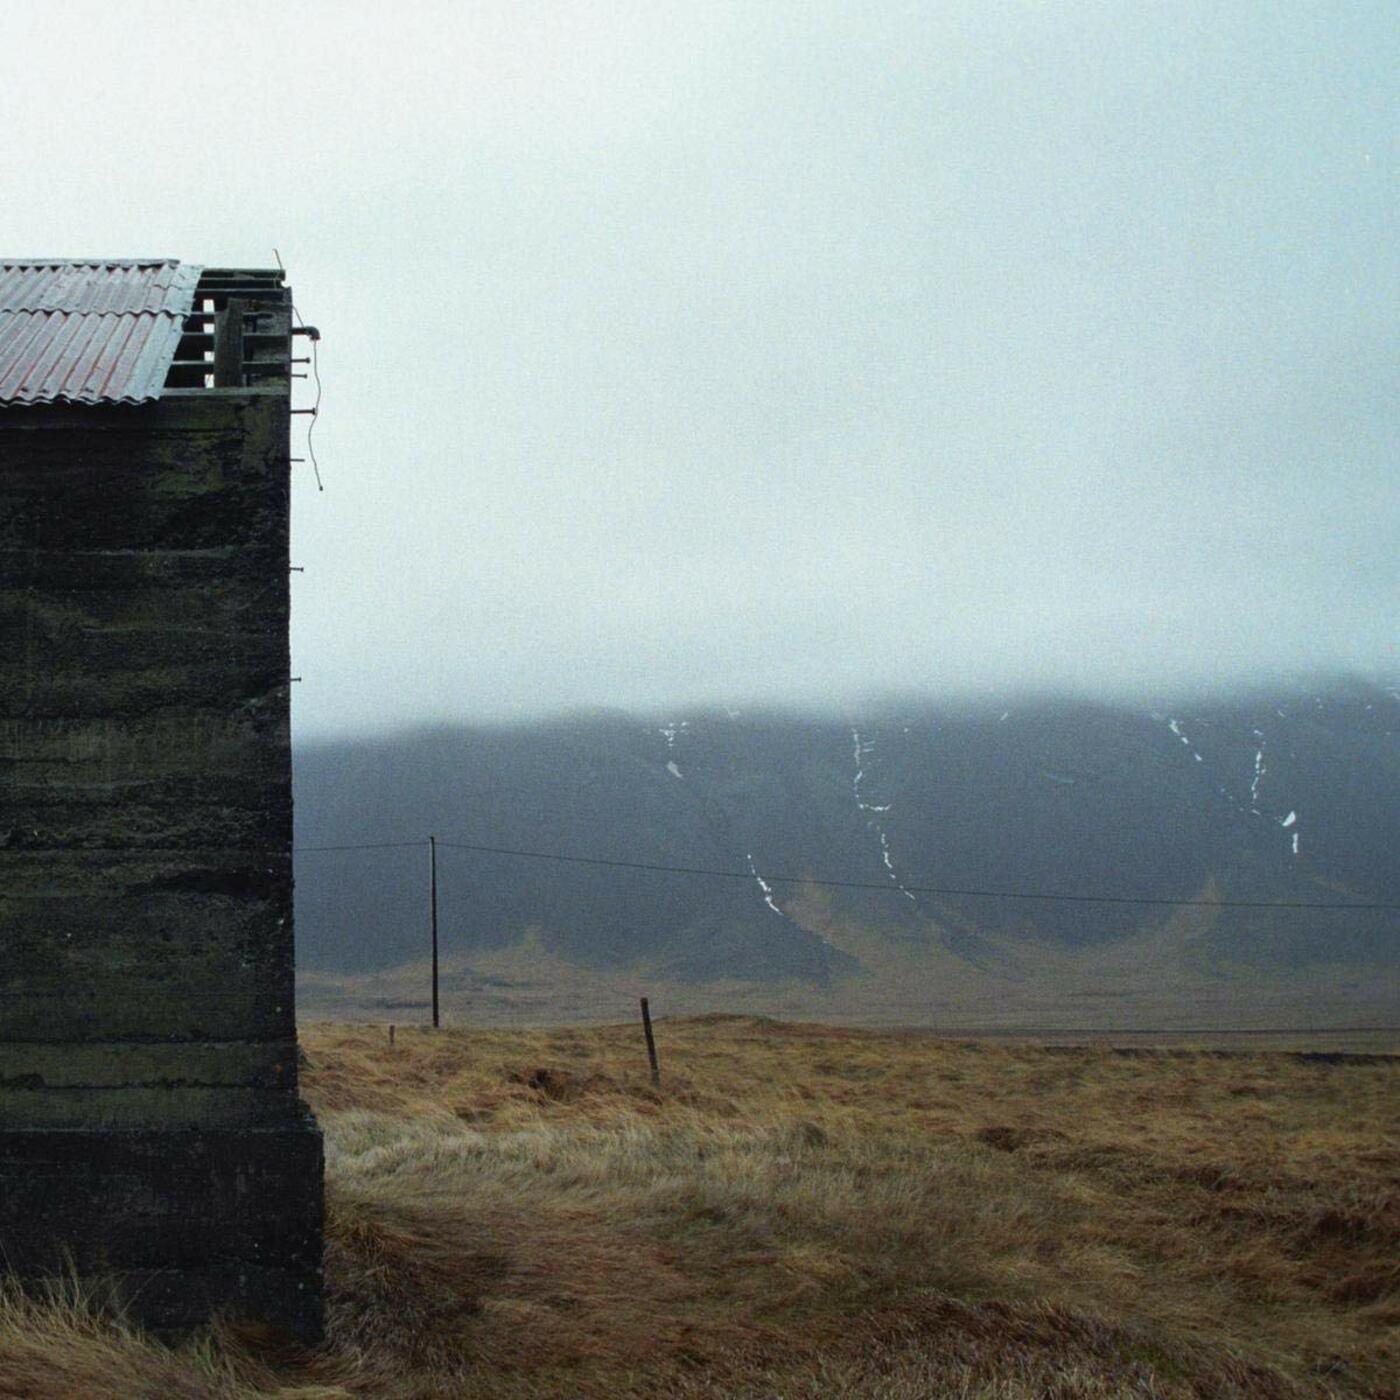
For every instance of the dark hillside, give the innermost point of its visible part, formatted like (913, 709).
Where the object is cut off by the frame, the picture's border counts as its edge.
(1286, 796)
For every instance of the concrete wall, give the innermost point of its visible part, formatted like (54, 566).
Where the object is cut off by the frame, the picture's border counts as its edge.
(146, 956)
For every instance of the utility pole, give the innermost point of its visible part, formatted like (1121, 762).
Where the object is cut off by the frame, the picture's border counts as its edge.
(432, 903)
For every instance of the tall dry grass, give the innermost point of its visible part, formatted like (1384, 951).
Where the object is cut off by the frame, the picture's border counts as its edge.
(802, 1211)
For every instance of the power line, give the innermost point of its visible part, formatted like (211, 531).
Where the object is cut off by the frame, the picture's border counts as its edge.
(917, 889)
(715, 874)
(370, 846)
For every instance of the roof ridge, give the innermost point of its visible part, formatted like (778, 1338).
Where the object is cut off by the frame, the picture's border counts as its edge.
(88, 262)
(86, 312)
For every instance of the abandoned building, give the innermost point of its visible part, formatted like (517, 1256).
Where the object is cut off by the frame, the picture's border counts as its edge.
(151, 1134)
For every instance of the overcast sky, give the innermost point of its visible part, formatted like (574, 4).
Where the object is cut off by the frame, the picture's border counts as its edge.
(791, 351)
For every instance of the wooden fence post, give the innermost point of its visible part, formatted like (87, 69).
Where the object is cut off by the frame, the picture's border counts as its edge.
(651, 1044)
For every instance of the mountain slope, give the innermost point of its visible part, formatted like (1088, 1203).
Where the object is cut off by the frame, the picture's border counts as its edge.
(1280, 796)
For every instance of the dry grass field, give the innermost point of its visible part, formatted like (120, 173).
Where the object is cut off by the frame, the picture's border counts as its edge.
(1148, 982)
(802, 1211)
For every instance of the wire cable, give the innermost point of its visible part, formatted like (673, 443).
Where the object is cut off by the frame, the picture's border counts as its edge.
(712, 873)
(316, 406)
(917, 889)
(368, 846)
(316, 375)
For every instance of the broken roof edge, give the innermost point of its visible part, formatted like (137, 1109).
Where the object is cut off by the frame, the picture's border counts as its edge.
(128, 331)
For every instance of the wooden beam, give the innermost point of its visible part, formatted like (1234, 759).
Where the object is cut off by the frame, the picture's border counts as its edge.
(228, 346)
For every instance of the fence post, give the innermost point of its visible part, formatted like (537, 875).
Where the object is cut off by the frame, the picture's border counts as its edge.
(651, 1044)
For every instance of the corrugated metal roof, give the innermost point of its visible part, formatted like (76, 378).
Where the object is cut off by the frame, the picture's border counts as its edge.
(103, 331)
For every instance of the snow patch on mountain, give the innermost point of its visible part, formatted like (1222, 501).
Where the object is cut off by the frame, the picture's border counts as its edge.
(671, 729)
(1259, 771)
(860, 748)
(765, 887)
(1175, 727)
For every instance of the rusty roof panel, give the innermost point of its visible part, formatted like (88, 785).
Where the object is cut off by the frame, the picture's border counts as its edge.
(57, 356)
(90, 332)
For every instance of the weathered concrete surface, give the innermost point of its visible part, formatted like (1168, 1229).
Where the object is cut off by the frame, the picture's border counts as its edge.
(147, 1026)
(182, 1223)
